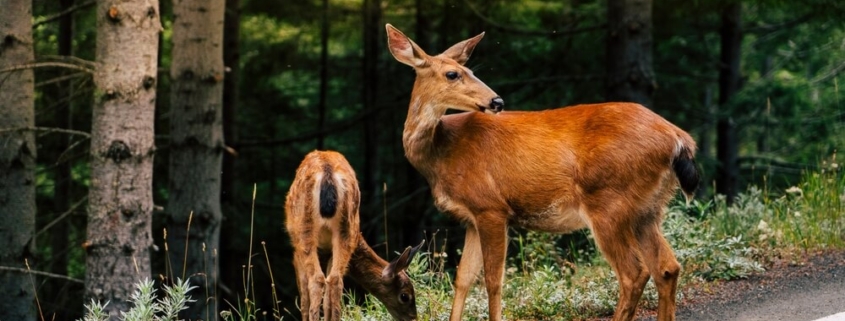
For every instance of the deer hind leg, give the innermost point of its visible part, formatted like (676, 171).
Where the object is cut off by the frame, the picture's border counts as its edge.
(663, 266)
(310, 281)
(470, 265)
(342, 248)
(619, 246)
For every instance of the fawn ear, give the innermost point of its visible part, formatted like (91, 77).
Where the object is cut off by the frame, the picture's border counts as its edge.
(403, 49)
(401, 263)
(461, 51)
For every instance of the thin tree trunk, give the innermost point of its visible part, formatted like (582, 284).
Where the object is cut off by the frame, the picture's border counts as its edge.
(230, 274)
(727, 148)
(324, 73)
(231, 92)
(17, 160)
(372, 29)
(120, 201)
(630, 75)
(62, 191)
(196, 146)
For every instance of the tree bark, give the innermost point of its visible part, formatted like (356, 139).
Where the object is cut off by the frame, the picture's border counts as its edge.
(727, 144)
(630, 75)
(324, 74)
(196, 148)
(120, 201)
(372, 29)
(62, 190)
(17, 160)
(231, 91)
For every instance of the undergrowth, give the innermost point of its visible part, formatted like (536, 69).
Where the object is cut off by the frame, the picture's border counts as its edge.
(546, 282)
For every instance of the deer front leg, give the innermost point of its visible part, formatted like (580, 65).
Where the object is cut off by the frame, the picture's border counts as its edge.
(493, 231)
(467, 271)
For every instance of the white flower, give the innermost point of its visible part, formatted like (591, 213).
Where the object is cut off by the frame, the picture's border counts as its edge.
(795, 190)
(797, 214)
(763, 226)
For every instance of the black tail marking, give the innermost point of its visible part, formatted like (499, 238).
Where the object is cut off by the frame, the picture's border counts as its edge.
(328, 194)
(686, 171)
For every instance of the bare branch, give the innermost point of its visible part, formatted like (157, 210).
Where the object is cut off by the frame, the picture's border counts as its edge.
(47, 64)
(62, 216)
(47, 130)
(65, 12)
(60, 79)
(553, 33)
(830, 74)
(41, 273)
(314, 134)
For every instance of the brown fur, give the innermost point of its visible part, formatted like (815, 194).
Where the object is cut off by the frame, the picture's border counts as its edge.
(338, 234)
(607, 167)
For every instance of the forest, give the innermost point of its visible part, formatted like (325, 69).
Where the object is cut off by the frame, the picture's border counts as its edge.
(147, 139)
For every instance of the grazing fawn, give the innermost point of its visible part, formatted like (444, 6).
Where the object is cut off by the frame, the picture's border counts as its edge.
(608, 167)
(322, 217)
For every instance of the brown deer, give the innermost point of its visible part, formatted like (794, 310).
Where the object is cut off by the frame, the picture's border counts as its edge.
(608, 167)
(322, 218)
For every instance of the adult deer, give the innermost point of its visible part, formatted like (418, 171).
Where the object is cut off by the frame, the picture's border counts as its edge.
(608, 167)
(322, 217)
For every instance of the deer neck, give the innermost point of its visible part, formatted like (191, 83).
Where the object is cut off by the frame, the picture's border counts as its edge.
(365, 268)
(418, 136)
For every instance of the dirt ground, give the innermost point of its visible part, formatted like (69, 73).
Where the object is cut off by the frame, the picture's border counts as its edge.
(795, 289)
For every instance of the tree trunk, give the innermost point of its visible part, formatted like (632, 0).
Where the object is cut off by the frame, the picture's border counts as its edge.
(372, 29)
(630, 76)
(230, 274)
(324, 74)
(196, 146)
(62, 192)
(120, 201)
(727, 145)
(17, 160)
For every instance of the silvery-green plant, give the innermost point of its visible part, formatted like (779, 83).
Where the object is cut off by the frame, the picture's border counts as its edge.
(145, 306)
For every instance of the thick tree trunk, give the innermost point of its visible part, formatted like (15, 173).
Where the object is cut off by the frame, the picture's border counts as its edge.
(120, 201)
(372, 29)
(727, 144)
(17, 159)
(196, 147)
(630, 76)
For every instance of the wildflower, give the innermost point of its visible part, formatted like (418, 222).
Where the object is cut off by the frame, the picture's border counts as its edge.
(763, 226)
(797, 214)
(795, 190)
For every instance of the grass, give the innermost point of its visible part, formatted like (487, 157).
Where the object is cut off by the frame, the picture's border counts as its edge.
(718, 242)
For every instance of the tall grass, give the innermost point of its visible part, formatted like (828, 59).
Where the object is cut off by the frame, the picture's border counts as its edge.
(719, 242)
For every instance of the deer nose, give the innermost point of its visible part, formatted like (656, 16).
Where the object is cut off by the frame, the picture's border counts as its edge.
(497, 104)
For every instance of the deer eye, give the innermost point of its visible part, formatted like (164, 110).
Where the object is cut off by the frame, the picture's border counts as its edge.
(451, 75)
(404, 297)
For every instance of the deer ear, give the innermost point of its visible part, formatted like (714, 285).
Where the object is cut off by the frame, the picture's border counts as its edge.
(401, 263)
(403, 49)
(461, 51)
